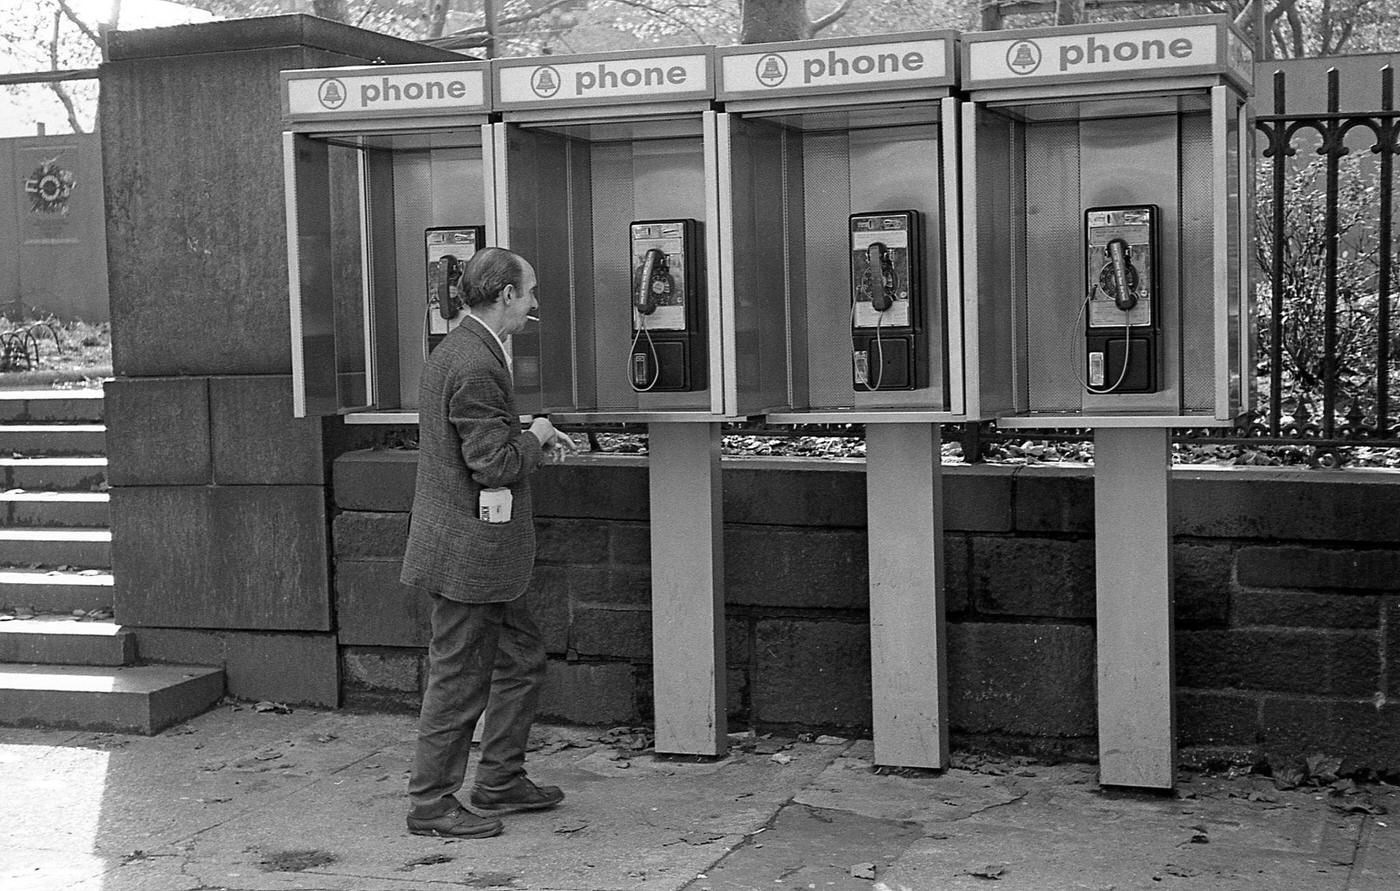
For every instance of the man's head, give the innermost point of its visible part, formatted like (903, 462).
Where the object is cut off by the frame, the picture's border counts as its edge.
(500, 289)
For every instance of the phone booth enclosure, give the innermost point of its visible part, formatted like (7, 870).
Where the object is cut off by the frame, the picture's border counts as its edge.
(373, 184)
(800, 161)
(577, 173)
(1039, 157)
(572, 195)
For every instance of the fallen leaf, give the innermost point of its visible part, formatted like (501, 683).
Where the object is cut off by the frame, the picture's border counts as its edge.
(990, 871)
(570, 828)
(863, 871)
(780, 758)
(276, 708)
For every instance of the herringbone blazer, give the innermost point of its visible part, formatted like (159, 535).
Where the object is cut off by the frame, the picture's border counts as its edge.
(470, 438)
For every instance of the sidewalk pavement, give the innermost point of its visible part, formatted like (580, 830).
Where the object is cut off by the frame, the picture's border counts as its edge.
(263, 800)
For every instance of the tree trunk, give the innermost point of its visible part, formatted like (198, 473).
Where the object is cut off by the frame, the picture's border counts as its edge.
(1069, 12)
(765, 21)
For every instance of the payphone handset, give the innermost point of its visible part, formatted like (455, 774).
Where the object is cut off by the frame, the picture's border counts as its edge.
(1120, 309)
(448, 248)
(667, 338)
(886, 301)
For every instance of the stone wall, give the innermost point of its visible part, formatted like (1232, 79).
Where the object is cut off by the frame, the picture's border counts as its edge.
(1287, 602)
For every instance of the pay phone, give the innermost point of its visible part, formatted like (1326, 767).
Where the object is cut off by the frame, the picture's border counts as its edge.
(448, 249)
(886, 303)
(1122, 322)
(668, 343)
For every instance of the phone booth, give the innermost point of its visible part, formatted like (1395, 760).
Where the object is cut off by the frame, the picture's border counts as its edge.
(605, 180)
(1108, 173)
(839, 208)
(388, 194)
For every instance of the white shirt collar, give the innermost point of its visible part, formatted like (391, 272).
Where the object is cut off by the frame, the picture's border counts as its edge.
(500, 343)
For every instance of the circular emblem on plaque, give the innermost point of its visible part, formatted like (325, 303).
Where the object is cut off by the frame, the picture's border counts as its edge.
(331, 93)
(771, 69)
(1023, 57)
(49, 188)
(545, 81)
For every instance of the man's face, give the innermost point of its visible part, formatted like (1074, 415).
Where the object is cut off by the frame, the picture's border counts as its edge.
(520, 302)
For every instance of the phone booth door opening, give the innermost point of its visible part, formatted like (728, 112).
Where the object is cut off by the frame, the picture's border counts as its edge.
(1108, 174)
(605, 178)
(839, 190)
(388, 195)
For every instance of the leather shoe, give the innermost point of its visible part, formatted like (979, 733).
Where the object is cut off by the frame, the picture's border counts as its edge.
(457, 823)
(521, 795)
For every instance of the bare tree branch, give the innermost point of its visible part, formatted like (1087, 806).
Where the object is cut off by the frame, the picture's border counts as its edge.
(58, 88)
(73, 17)
(832, 17)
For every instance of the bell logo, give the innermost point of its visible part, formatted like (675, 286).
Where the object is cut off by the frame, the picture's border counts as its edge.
(545, 81)
(1023, 57)
(771, 70)
(331, 93)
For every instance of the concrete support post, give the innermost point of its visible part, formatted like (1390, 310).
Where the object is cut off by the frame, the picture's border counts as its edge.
(687, 588)
(1132, 515)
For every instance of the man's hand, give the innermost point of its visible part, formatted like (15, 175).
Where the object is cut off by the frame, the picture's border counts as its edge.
(555, 444)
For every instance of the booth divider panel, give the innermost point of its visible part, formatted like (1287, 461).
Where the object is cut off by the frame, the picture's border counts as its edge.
(347, 268)
(1198, 210)
(1054, 272)
(1000, 295)
(762, 297)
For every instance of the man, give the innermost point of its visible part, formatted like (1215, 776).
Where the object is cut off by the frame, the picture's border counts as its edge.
(486, 656)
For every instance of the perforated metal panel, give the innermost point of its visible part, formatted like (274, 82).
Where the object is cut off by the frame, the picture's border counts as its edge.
(1197, 268)
(1053, 268)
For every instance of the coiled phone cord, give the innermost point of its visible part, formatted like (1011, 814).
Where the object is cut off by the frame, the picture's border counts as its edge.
(655, 360)
(1127, 349)
(879, 350)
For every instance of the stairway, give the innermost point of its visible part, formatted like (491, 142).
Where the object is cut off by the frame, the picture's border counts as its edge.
(64, 661)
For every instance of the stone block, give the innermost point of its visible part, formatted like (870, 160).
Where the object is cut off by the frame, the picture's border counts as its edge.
(1304, 567)
(1055, 500)
(1029, 680)
(1282, 504)
(291, 668)
(180, 646)
(589, 693)
(570, 541)
(794, 492)
(979, 498)
(1215, 718)
(811, 673)
(256, 440)
(1305, 609)
(611, 633)
(1042, 577)
(549, 599)
(957, 579)
(1391, 643)
(158, 431)
(1364, 734)
(737, 647)
(796, 568)
(1340, 663)
(383, 668)
(369, 535)
(375, 480)
(602, 487)
(373, 608)
(247, 557)
(1202, 584)
(629, 544)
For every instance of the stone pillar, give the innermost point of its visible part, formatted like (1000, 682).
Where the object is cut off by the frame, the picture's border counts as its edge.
(219, 519)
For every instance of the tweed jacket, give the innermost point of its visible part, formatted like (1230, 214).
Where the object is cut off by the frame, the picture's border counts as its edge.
(470, 438)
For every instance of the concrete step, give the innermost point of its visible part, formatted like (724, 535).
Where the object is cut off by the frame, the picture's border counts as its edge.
(52, 405)
(53, 439)
(86, 548)
(40, 591)
(69, 473)
(23, 508)
(126, 699)
(54, 640)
